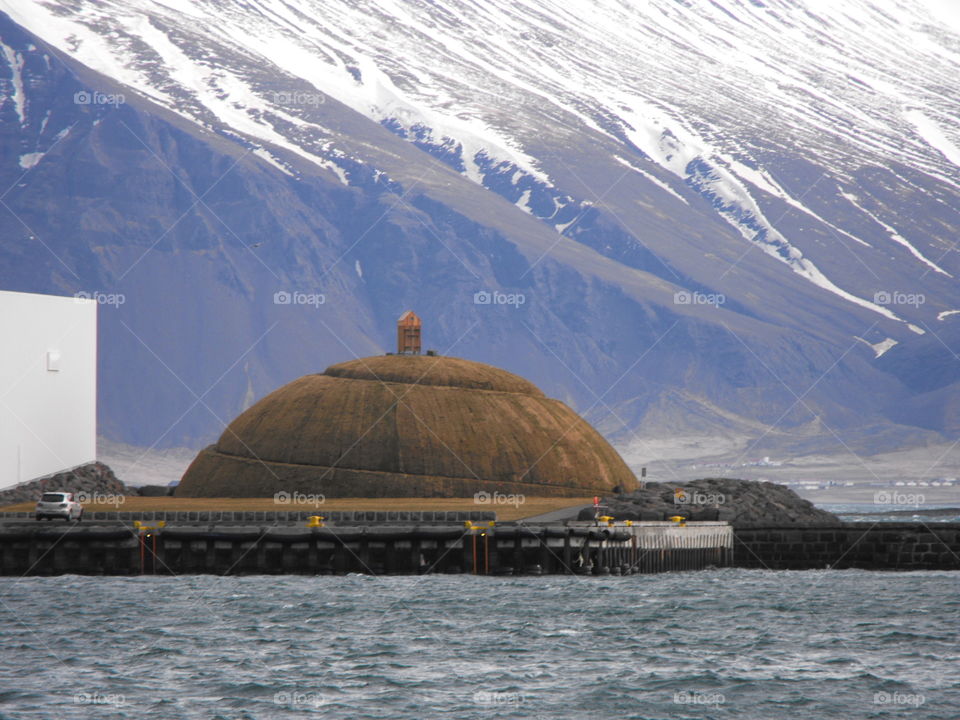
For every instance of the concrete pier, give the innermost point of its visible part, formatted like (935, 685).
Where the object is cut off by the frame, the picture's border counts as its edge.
(866, 546)
(479, 547)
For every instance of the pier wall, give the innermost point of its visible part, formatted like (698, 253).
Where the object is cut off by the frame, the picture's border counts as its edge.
(379, 549)
(370, 544)
(869, 546)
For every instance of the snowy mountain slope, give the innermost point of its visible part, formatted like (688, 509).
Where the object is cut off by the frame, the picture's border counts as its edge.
(794, 158)
(697, 90)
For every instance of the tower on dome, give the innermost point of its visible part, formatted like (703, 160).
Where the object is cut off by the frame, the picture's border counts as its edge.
(408, 334)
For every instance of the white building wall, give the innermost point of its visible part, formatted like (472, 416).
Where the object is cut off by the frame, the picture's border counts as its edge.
(48, 385)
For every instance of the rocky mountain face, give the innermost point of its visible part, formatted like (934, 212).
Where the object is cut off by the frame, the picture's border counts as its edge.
(681, 219)
(94, 482)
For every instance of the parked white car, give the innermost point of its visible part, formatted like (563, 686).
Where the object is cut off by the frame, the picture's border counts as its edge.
(59, 505)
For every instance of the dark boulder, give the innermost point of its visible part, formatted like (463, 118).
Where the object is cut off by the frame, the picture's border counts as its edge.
(742, 503)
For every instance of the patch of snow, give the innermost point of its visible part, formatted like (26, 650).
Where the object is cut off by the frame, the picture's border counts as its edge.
(652, 178)
(879, 348)
(15, 61)
(29, 160)
(562, 227)
(762, 180)
(678, 148)
(934, 135)
(523, 202)
(264, 154)
(896, 236)
(946, 11)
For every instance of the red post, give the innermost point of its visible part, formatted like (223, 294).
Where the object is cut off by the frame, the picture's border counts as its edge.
(486, 554)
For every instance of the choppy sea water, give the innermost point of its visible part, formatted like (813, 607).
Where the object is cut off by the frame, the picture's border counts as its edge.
(714, 644)
(891, 512)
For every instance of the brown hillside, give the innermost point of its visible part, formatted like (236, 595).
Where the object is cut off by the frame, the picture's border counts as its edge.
(407, 426)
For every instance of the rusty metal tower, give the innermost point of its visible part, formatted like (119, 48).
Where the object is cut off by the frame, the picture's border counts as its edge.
(408, 334)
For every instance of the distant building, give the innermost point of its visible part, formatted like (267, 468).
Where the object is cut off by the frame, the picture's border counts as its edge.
(48, 385)
(408, 334)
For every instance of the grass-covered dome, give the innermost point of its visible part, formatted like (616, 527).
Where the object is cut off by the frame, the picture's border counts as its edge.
(407, 426)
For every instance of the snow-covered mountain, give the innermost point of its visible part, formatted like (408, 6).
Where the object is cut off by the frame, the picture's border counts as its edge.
(735, 216)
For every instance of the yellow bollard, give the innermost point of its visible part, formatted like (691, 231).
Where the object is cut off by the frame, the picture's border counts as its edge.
(315, 521)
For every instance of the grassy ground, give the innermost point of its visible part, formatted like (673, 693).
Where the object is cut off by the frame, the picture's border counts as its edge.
(531, 505)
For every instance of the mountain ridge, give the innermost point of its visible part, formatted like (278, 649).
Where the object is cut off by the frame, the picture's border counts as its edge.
(617, 240)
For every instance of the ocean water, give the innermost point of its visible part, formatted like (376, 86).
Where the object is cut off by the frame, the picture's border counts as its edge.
(889, 512)
(726, 643)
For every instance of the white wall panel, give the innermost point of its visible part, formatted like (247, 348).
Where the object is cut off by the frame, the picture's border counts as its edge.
(48, 384)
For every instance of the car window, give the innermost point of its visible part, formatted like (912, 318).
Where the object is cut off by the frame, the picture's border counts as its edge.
(52, 497)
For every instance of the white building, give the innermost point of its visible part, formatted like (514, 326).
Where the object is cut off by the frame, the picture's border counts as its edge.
(48, 385)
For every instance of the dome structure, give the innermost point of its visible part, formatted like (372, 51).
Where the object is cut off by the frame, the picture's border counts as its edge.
(407, 426)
